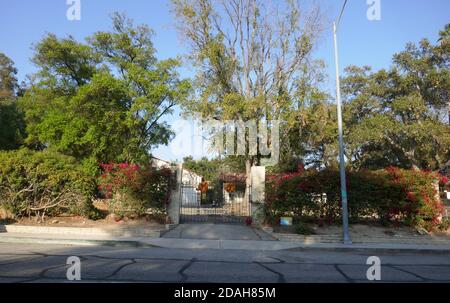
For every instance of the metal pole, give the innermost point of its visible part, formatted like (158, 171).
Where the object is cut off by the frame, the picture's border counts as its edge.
(347, 239)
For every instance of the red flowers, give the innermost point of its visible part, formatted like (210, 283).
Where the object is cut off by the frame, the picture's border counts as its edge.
(248, 221)
(118, 176)
(135, 187)
(305, 186)
(282, 178)
(404, 195)
(411, 196)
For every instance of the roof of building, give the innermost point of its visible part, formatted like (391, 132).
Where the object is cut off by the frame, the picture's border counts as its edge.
(233, 177)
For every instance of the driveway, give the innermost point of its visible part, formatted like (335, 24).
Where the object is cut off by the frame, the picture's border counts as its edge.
(217, 232)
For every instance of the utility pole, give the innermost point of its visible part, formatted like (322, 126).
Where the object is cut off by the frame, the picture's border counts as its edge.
(346, 233)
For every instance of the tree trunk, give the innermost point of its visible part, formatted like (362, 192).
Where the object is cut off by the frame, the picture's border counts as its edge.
(448, 109)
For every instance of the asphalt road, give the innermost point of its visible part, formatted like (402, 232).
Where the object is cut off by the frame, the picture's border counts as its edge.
(47, 263)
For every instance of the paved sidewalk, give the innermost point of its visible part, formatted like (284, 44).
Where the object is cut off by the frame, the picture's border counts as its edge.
(207, 236)
(253, 245)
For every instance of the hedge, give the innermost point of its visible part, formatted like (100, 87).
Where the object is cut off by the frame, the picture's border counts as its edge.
(134, 189)
(44, 183)
(390, 195)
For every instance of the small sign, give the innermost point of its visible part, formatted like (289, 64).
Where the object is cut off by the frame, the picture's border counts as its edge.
(448, 195)
(286, 221)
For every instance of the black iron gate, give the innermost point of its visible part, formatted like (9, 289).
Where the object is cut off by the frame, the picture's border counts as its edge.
(213, 207)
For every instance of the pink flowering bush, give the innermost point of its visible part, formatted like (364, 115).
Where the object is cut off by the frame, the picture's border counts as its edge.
(134, 189)
(444, 180)
(421, 204)
(391, 195)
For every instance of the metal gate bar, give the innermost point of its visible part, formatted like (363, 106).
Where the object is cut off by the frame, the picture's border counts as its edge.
(218, 211)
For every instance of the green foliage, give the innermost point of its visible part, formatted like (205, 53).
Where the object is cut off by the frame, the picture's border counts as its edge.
(133, 189)
(12, 128)
(210, 169)
(250, 64)
(422, 205)
(8, 80)
(303, 229)
(445, 224)
(38, 183)
(391, 195)
(103, 100)
(398, 116)
(65, 61)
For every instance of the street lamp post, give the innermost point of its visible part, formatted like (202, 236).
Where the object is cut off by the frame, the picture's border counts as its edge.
(347, 239)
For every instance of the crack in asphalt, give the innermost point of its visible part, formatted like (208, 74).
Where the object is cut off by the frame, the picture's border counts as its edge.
(409, 272)
(116, 271)
(20, 261)
(346, 277)
(183, 269)
(281, 278)
(189, 262)
(42, 273)
(278, 260)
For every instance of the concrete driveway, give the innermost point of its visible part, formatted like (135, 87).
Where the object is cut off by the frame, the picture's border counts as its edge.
(217, 232)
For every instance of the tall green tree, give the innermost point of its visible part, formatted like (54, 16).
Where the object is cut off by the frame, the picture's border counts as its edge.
(249, 56)
(103, 100)
(310, 135)
(8, 79)
(444, 50)
(398, 116)
(11, 119)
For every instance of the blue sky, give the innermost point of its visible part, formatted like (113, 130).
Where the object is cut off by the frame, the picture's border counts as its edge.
(361, 42)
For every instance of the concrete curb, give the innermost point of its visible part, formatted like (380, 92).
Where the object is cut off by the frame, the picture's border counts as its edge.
(360, 240)
(381, 248)
(169, 227)
(75, 242)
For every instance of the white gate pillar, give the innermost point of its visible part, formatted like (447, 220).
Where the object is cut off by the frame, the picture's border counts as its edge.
(258, 183)
(173, 209)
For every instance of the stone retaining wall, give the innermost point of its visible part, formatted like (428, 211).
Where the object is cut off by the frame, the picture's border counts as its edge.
(116, 231)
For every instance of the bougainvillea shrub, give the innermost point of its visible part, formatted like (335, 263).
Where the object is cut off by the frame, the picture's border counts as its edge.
(135, 189)
(390, 195)
(421, 204)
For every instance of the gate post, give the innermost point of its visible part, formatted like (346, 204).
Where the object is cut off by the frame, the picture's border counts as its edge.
(173, 210)
(258, 183)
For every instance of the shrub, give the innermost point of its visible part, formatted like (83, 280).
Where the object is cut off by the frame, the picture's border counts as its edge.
(134, 189)
(303, 229)
(390, 195)
(44, 182)
(301, 195)
(444, 225)
(421, 204)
